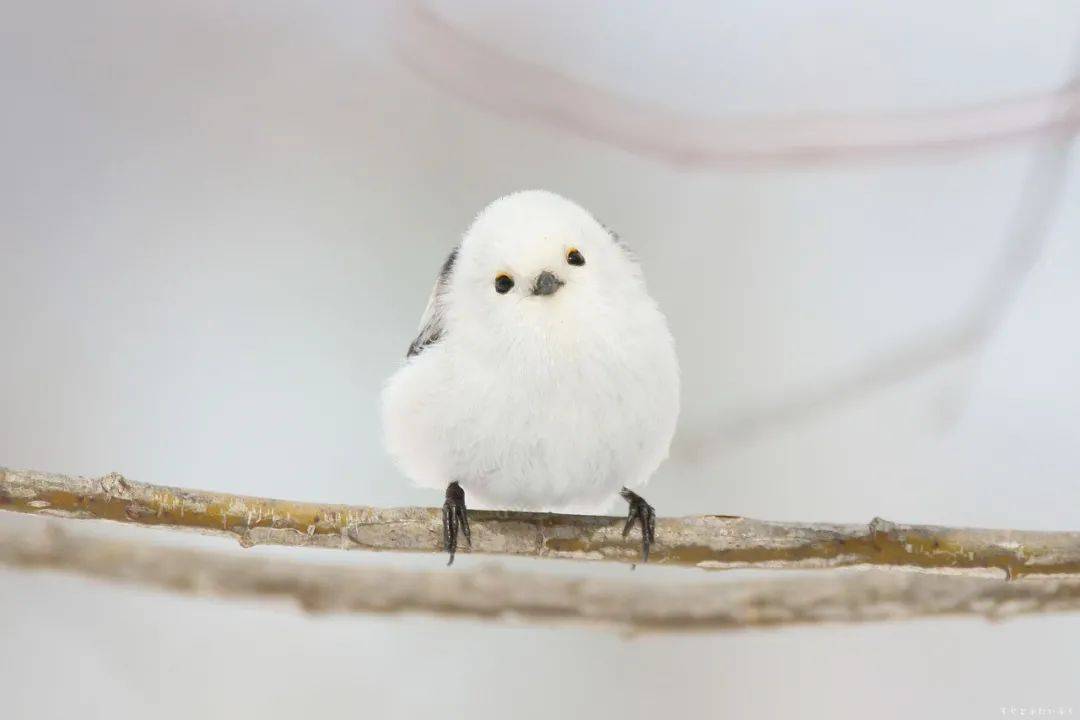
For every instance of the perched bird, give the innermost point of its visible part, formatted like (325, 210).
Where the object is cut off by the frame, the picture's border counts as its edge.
(544, 376)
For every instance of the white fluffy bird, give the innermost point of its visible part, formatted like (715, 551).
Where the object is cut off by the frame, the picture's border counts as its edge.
(544, 376)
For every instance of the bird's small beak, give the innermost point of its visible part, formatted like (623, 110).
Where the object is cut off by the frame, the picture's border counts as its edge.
(547, 283)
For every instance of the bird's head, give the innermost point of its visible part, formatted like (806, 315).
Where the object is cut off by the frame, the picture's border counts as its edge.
(535, 265)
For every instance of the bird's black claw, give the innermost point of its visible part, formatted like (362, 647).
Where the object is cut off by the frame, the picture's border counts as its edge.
(454, 519)
(644, 513)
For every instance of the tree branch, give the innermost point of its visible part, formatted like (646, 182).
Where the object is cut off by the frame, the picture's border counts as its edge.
(469, 68)
(489, 593)
(707, 541)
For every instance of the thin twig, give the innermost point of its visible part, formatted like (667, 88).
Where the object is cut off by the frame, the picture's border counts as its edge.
(707, 541)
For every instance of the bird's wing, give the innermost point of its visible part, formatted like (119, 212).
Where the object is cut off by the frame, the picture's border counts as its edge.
(431, 322)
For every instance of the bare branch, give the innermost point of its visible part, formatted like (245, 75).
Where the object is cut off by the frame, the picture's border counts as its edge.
(492, 593)
(707, 541)
(514, 88)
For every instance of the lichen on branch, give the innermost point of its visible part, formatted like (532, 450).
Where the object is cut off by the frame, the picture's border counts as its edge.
(706, 541)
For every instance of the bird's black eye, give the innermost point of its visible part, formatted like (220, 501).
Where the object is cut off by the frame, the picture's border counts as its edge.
(503, 283)
(574, 257)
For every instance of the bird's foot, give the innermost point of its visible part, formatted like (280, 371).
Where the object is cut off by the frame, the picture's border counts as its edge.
(454, 518)
(644, 513)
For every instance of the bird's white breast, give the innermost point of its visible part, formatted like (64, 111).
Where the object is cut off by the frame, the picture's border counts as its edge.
(555, 421)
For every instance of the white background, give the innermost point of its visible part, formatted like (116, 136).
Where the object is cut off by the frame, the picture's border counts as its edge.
(219, 223)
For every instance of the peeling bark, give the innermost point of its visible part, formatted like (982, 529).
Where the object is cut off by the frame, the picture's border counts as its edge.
(706, 541)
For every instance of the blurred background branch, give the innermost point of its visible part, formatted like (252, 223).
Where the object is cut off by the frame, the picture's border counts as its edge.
(1023, 245)
(499, 82)
(707, 541)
